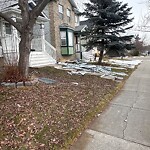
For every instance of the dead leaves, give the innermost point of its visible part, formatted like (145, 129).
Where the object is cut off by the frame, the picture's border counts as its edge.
(46, 116)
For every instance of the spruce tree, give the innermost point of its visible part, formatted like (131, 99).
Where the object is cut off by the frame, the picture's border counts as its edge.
(108, 20)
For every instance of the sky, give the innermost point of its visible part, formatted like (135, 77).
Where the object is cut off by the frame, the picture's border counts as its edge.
(140, 9)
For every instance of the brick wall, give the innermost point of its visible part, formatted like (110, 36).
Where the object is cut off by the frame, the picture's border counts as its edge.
(55, 22)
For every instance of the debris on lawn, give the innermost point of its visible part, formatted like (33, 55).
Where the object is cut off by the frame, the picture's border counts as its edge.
(75, 83)
(52, 116)
(77, 68)
(125, 63)
(46, 80)
(84, 68)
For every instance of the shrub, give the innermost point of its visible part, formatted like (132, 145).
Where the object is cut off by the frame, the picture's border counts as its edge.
(135, 53)
(11, 74)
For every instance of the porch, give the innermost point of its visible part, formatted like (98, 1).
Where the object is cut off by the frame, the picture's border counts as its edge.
(81, 51)
(42, 52)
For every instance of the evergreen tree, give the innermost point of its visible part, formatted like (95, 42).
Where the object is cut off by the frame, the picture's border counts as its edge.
(108, 20)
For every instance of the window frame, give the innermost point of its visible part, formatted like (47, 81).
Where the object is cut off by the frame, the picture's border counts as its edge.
(8, 28)
(61, 11)
(70, 36)
(68, 14)
(63, 38)
(69, 47)
(77, 19)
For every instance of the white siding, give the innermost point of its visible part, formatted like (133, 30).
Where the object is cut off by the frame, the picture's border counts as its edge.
(47, 25)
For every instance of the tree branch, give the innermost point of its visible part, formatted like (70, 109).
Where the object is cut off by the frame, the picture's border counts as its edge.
(8, 19)
(23, 4)
(40, 7)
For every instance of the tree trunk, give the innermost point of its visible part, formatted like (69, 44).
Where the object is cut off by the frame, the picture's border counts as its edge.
(101, 53)
(102, 49)
(100, 57)
(24, 53)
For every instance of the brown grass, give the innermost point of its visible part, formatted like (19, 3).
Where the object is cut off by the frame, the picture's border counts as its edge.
(51, 116)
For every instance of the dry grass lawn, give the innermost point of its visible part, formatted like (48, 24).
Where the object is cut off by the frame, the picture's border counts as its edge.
(49, 117)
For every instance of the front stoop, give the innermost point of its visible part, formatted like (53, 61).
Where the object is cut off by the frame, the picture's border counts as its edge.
(41, 59)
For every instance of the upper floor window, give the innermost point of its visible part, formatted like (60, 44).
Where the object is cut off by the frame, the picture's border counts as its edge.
(76, 19)
(68, 15)
(8, 29)
(61, 11)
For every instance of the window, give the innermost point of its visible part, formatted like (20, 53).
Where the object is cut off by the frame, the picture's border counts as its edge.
(76, 19)
(61, 11)
(8, 28)
(69, 15)
(63, 38)
(70, 38)
(67, 41)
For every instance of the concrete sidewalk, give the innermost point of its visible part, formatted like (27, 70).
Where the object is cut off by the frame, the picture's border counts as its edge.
(125, 125)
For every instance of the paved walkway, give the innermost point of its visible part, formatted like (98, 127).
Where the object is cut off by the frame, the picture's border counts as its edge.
(125, 125)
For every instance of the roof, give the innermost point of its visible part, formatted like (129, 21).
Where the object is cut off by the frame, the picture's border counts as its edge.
(65, 26)
(79, 28)
(7, 6)
(6, 3)
(86, 22)
(73, 3)
(76, 10)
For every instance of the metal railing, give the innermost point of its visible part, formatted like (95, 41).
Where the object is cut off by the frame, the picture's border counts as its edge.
(50, 49)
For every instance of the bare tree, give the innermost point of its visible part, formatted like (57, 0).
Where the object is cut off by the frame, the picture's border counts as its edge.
(144, 22)
(139, 44)
(25, 28)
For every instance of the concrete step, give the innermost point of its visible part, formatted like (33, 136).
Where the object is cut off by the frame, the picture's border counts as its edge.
(40, 59)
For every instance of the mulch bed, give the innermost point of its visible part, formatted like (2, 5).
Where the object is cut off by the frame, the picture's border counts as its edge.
(47, 117)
